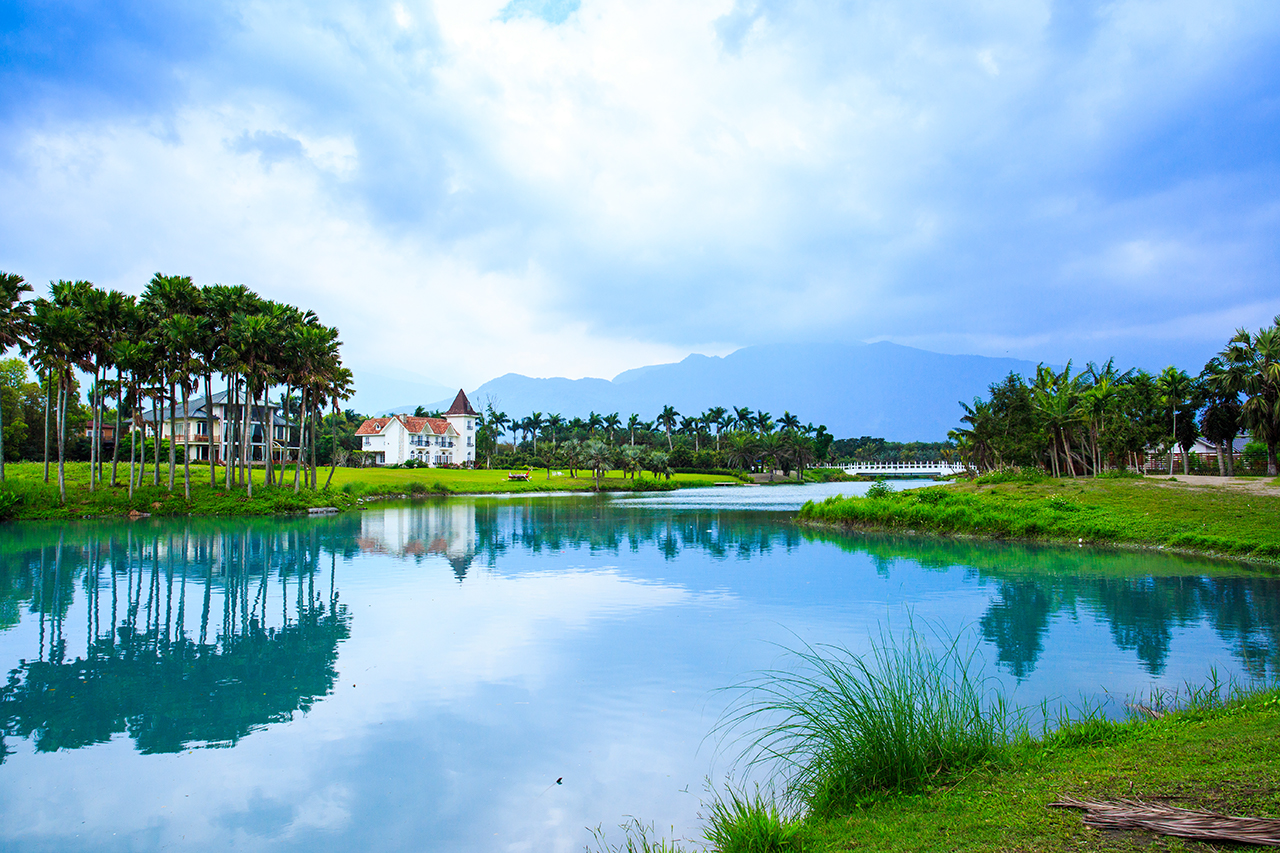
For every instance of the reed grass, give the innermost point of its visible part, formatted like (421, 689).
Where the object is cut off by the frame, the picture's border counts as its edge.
(839, 727)
(741, 821)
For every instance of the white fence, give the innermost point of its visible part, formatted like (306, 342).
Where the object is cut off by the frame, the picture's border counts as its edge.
(902, 469)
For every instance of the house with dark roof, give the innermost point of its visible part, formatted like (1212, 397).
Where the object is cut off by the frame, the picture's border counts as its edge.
(192, 425)
(448, 440)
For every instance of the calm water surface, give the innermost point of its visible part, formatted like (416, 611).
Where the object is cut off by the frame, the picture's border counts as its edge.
(418, 677)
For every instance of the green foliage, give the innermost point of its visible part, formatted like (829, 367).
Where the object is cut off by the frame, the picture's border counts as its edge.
(1118, 509)
(1022, 474)
(10, 504)
(880, 489)
(839, 726)
(743, 822)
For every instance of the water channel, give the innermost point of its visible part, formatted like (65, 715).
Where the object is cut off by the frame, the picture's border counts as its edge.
(418, 676)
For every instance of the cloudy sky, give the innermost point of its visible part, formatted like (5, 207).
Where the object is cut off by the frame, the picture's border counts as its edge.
(577, 187)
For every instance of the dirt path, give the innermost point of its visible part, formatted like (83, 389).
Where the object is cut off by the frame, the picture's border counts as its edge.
(1259, 485)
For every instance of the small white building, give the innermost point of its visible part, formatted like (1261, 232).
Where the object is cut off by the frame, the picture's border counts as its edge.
(450, 440)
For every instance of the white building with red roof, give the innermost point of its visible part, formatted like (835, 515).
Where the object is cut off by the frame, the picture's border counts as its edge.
(448, 440)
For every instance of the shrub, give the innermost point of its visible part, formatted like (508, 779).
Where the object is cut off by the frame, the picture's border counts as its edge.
(1012, 475)
(880, 489)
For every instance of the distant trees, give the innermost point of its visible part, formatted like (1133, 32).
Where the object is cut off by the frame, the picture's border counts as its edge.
(1101, 419)
(162, 347)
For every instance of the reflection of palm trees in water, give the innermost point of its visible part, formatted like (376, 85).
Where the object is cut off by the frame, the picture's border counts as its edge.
(265, 645)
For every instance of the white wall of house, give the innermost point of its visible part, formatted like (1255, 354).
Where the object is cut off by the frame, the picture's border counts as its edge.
(395, 443)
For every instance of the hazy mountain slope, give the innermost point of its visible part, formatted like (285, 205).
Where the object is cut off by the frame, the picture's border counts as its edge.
(881, 389)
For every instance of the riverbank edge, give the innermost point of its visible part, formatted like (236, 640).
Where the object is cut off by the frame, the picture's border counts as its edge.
(267, 500)
(894, 517)
(1119, 544)
(1206, 755)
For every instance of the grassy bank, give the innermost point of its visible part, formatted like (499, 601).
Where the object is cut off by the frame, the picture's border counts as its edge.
(25, 495)
(481, 481)
(39, 500)
(1150, 512)
(908, 749)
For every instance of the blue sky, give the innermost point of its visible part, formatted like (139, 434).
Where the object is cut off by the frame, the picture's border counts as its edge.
(575, 188)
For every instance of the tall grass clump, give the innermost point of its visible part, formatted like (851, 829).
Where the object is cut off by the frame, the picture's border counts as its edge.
(750, 822)
(839, 727)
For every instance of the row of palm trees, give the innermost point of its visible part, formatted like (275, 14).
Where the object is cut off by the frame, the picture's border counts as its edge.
(161, 348)
(668, 422)
(1083, 423)
(744, 438)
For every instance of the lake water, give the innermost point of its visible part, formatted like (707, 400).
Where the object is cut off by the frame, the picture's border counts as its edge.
(418, 677)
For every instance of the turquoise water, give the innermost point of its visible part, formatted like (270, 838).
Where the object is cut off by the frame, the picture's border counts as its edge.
(419, 676)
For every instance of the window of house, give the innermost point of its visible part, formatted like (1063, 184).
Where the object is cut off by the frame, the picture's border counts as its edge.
(367, 441)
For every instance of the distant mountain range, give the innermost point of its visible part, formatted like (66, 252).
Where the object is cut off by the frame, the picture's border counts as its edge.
(882, 389)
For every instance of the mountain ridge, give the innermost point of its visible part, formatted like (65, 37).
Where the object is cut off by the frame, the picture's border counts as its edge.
(883, 389)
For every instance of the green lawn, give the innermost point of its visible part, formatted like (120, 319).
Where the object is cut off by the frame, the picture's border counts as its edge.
(1225, 760)
(482, 481)
(36, 499)
(1152, 511)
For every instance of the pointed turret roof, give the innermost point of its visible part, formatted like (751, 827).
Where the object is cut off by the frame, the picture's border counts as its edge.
(461, 406)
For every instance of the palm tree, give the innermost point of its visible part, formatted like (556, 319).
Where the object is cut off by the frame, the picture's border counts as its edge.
(789, 421)
(554, 422)
(632, 423)
(15, 326)
(1175, 388)
(535, 424)
(667, 420)
(1253, 369)
(166, 297)
(764, 422)
(182, 334)
(1220, 421)
(611, 423)
(715, 416)
(252, 338)
(741, 450)
(743, 418)
(341, 385)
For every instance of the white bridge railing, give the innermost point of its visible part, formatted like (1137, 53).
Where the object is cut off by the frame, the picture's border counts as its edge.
(901, 469)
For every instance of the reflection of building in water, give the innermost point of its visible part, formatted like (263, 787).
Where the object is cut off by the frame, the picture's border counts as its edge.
(447, 528)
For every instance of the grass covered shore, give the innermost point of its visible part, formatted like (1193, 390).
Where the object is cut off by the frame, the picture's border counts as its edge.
(1224, 759)
(1235, 521)
(910, 748)
(25, 495)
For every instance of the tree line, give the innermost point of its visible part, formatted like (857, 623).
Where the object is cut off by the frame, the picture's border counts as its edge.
(1102, 419)
(158, 350)
(718, 438)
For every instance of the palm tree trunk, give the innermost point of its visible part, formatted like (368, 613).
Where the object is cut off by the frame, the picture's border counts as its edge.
(173, 435)
(297, 465)
(133, 444)
(246, 440)
(159, 430)
(333, 457)
(1175, 439)
(1222, 468)
(228, 430)
(1231, 456)
(208, 429)
(311, 441)
(48, 383)
(93, 427)
(186, 441)
(61, 415)
(115, 432)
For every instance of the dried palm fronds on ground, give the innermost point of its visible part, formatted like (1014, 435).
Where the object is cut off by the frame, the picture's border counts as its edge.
(1170, 820)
